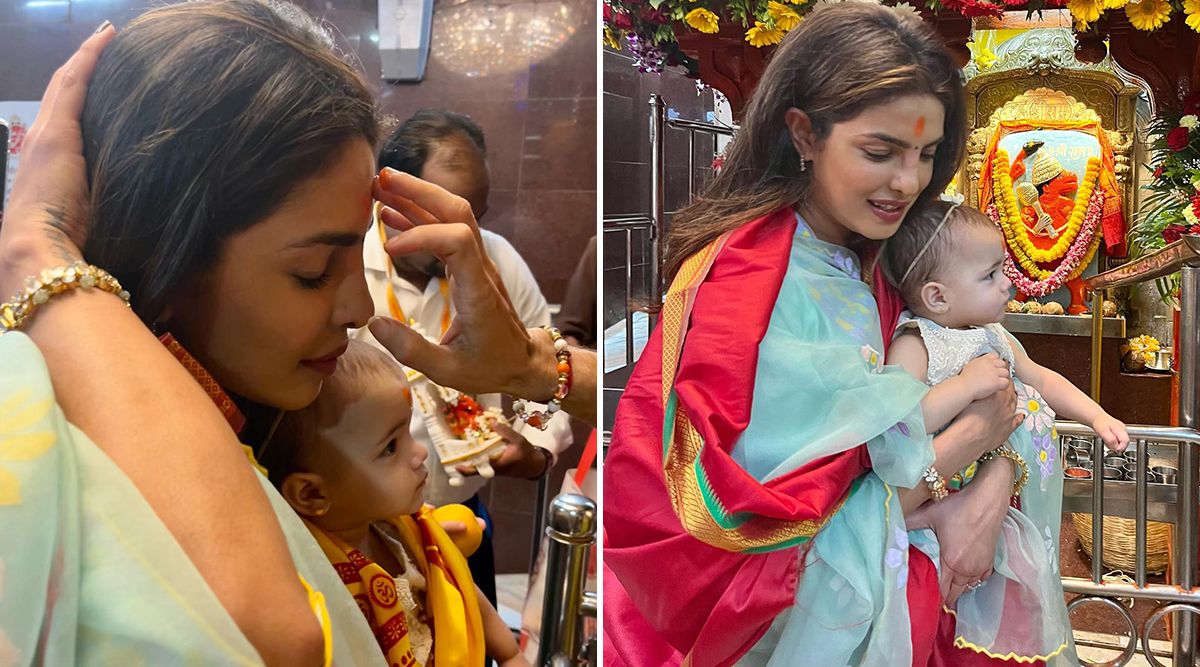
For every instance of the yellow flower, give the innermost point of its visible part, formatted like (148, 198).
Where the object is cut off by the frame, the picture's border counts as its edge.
(785, 17)
(764, 35)
(1085, 11)
(1115, 4)
(610, 38)
(703, 20)
(1149, 14)
(984, 57)
(1191, 8)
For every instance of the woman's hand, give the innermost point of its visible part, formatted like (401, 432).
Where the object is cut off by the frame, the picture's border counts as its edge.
(487, 348)
(46, 222)
(967, 525)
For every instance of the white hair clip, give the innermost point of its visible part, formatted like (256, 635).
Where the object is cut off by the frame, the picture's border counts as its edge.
(956, 198)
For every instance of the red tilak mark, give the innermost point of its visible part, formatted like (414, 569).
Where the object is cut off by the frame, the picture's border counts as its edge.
(919, 130)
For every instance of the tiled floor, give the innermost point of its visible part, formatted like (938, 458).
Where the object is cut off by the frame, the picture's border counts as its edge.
(1101, 655)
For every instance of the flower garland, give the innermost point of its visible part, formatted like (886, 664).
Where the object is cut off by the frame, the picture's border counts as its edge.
(1014, 229)
(648, 28)
(1073, 263)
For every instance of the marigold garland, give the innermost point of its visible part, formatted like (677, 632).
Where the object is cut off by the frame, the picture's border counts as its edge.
(1073, 264)
(1014, 228)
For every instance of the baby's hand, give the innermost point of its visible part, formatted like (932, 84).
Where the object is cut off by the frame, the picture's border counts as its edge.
(986, 375)
(1113, 432)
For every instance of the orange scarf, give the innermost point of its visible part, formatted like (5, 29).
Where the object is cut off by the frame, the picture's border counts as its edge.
(451, 600)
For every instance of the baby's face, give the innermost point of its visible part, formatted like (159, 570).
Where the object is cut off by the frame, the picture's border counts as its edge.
(976, 288)
(371, 467)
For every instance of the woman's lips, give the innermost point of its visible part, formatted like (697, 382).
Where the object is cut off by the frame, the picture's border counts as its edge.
(888, 210)
(327, 364)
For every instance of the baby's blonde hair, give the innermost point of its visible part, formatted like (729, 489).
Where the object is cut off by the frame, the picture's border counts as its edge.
(289, 448)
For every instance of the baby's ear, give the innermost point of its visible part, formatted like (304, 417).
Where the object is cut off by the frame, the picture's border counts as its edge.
(933, 298)
(305, 492)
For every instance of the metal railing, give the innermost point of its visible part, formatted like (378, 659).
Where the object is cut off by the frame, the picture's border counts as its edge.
(1142, 499)
(650, 226)
(571, 530)
(1146, 501)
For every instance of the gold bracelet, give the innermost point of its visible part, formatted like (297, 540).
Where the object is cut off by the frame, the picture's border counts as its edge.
(936, 483)
(1004, 452)
(52, 282)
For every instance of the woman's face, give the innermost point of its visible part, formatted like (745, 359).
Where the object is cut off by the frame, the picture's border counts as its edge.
(269, 319)
(868, 172)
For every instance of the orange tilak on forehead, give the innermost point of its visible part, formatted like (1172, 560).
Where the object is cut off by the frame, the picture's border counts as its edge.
(919, 128)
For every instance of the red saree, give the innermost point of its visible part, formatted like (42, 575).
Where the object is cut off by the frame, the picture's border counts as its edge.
(684, 587)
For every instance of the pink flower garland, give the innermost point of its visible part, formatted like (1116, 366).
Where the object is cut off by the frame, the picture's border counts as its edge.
(1075, 255)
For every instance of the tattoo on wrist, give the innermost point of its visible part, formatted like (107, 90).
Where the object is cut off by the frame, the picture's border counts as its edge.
(57, 234)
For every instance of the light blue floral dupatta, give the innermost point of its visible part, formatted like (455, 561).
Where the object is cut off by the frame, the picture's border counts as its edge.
(88, 573)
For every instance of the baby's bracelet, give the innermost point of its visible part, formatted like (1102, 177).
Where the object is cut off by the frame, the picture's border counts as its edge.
(39, 289)
(562, 353)
(1003, 451)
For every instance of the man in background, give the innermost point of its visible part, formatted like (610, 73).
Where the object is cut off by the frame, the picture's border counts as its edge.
(449, 150)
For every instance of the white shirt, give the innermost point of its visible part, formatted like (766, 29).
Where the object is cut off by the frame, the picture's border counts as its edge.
(427, 307)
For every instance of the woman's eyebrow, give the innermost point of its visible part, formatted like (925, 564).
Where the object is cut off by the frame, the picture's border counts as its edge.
(340, 239)
(889, 139)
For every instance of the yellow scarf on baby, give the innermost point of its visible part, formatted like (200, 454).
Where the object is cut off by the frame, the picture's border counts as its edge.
(451, 601)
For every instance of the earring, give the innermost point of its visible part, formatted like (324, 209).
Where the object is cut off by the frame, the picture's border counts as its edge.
(320, 511)
(803, 163)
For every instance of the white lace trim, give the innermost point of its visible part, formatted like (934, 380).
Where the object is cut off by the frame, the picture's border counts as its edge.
(411, 593)
(951, 349)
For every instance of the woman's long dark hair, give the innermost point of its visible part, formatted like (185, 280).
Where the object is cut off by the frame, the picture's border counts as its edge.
(200, 120)
(842, 60)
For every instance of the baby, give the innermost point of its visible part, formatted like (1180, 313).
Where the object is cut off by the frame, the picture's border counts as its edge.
(946, 261)
(349, 467)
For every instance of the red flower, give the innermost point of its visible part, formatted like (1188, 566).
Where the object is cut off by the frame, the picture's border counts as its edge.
(1191, 103)
(623, 21)
(1196, 205)
(608, 13)
(973, 8)
(718, 162)
(1177, 139)
(1158, 171)
(1194, 229)
(656, 16)
(1172, 233)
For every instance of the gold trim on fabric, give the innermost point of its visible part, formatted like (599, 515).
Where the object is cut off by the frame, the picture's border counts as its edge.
(962, 643)
(683, 449)
(683, 486)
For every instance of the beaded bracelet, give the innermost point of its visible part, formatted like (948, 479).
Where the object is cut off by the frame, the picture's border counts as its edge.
(1005, 452)
(52, 282)
(936, 483)
(539, 419)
